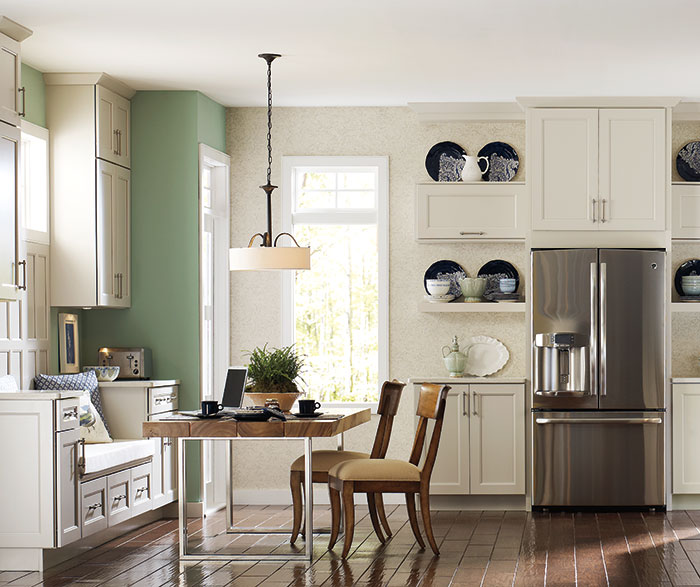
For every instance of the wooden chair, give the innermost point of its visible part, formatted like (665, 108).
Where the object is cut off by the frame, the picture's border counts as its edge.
(323, 460)
(392, 476)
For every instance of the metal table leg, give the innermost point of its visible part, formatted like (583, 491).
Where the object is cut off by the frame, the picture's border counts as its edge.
(309, 501)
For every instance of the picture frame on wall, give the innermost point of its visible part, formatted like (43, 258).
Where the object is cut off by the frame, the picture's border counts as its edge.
(68, 343)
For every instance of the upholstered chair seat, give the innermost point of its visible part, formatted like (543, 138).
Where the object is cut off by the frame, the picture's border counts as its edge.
(377, 469)
(323, 460)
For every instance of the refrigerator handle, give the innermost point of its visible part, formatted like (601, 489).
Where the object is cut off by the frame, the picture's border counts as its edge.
(593, 341)
(603, 329)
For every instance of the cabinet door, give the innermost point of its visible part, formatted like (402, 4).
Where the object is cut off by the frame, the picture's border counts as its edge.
(10, 99)
(67, 487)
(563, 153)
(685, 211)
(686, 438)
(633, 162)
(451, 470)
(119, 497)
(93, 505)
(497, 439)
(121, 237)
(112, 126)
(141, 489)
(9, 206)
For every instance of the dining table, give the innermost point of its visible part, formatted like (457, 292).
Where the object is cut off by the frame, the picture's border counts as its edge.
(187, 428)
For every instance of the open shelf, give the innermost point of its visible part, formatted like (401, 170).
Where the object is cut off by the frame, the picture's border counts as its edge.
(684, 306)
(475, 307)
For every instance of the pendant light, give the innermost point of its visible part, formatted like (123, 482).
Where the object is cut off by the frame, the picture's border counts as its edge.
(269, 255)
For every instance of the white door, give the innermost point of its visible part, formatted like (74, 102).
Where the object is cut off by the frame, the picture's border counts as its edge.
(214, 308)
(451, 470)
(112, 126)
(686, 438)
(9, 207)
(633, 162)
(11, 100)
(497, 439)
(563, 153)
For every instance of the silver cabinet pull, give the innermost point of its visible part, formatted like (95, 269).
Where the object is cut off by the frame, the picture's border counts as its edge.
(603, 328)
(94, 506)
(119, 497)
(474, 412)
(477, 233)
(594, 329)
(598, 420)
(70, 414)
(594, 203)
(602, 216)
(115, 288)
(23, 91)
(167, 442)
(115, 150)
(465, 409)
(141, 490)
(24, 275)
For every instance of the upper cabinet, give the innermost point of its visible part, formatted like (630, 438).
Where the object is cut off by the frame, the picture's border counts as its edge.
(88, 115)
(598, 169)
(9, 213)
(12, 95)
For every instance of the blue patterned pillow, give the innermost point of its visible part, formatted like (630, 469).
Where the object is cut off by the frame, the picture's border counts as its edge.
(80, 381)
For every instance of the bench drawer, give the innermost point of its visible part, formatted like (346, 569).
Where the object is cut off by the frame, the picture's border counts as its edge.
(67, 414)
(119, 497)
(141, 489)
(93, 500)
(162, 399)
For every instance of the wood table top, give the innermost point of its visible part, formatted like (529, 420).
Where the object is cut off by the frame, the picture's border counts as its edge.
(227, 427)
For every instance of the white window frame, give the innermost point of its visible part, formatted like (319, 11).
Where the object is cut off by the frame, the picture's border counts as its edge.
(381, 164)
(36, 236)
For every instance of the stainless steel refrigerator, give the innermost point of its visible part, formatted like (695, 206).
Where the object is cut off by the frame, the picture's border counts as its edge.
(598, 351)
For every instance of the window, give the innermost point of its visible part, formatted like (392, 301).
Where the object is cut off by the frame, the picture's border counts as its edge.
(337, 312)
(34, 182)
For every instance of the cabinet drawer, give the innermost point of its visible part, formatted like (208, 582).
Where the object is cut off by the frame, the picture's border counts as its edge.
(93, 500)
(119, 496)
(162, 399)
(462, 211)
(67, 414)
(141, 489)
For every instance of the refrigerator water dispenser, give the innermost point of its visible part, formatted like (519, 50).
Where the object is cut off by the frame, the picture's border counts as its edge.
(561, 364)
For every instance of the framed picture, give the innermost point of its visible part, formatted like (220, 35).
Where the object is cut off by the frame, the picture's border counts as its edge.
(68, 349)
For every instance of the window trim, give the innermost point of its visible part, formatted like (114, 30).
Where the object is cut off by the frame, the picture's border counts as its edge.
(35, 236)
(381, 163)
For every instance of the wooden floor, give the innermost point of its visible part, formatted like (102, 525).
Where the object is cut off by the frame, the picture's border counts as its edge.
(477, 548)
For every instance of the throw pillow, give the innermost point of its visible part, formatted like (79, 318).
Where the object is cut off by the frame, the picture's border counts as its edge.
(80, 381)
(8, 383)
(92, 427)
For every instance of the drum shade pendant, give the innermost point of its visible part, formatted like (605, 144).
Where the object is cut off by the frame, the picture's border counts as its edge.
(268, 255)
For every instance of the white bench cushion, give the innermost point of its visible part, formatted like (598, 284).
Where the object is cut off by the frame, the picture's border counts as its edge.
(99, 457)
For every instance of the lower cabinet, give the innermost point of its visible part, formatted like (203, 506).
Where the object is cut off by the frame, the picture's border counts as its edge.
(164, 473)
(482, 446)
(93, 500)
(686, 437)
(141, 489)
(119, 496)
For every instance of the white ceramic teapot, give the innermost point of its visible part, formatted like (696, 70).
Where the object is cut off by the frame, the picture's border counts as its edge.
(471, 170)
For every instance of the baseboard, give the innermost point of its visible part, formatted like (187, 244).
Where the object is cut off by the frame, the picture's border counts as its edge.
(195, 509)
(479, 502)
(685, 501)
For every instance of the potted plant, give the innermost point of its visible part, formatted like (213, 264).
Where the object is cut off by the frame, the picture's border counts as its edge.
(273, 375)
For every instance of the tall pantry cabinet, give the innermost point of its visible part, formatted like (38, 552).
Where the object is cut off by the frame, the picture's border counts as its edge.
(88, 115)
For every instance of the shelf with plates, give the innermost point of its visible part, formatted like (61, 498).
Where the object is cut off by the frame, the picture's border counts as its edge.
(684, 307)
(510, 307)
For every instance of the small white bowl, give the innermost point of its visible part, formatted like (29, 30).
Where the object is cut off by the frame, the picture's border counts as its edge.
(507, 285)
(438, 287)
(691, 289)
(104, 373)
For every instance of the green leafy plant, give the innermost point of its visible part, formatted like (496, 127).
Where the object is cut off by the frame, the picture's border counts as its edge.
(275, 370)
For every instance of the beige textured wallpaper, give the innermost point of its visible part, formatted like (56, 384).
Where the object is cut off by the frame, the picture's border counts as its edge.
(685, 327)
(415, 338)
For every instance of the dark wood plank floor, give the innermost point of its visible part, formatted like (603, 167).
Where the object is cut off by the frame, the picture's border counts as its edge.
(477, 548)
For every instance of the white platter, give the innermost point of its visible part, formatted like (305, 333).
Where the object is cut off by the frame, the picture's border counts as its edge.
(485, 356)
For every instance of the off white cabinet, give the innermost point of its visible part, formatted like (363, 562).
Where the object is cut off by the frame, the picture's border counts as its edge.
(482, 446)
(9, 212)
(67, 487)
(113, 235)
(598, 169)
(686, 437)
(112, 136)
(471, 211)
(685, 211)
(11, 91)
(90, 229)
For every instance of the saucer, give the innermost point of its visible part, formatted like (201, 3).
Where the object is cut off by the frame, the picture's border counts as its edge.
(439, 299)
(209, 416)
(314, 415)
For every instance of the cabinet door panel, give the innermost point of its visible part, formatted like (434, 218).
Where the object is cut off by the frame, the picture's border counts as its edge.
(9, 153)
(67, 494)
(686, 438)
(106, 274)
(93, 505)
(564, 147)
(9, 80)
(632, 169)
(119, 497)
(120, 236)
(112, 126)
(497, 439)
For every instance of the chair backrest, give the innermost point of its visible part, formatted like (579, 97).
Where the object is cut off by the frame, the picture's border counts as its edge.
(431, 406)
(389, 399)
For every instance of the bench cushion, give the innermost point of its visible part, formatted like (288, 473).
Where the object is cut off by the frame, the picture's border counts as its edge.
(99, 457)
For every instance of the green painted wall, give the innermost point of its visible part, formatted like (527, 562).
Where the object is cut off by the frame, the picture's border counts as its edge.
(35, 95)
(166, 128)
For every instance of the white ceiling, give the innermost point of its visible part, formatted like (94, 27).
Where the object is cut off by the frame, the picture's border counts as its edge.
(372, 52)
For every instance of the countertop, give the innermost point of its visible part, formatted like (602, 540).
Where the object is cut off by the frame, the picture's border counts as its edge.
(448, 379)
(140, 383)
(32, 394)
(685, 379)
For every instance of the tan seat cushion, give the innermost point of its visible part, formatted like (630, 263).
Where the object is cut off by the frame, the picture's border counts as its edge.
(322, 460)
(375, 470)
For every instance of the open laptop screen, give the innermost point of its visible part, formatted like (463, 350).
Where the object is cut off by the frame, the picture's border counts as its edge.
(234, 388)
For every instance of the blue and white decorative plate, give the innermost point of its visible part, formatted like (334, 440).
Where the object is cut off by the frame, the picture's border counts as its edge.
(444, 161)
(446, 269)
(688, 161)
(503, 161)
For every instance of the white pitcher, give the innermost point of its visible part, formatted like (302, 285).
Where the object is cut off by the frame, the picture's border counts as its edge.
(471, 170)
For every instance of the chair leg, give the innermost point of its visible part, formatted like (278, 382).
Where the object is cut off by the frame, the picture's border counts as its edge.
(295, 486)
(413, 519)
(349, 511)
(335, 516)
(372, 504)
(382, 514)
(427, 525)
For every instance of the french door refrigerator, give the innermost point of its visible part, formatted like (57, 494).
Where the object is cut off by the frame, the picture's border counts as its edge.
(598, 324)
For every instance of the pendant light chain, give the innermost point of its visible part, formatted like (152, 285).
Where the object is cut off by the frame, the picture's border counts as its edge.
(269, 120)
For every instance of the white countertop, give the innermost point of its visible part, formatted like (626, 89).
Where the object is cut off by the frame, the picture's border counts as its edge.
(45, 395)
(685, 379)
(448, 379)
(140, 383)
